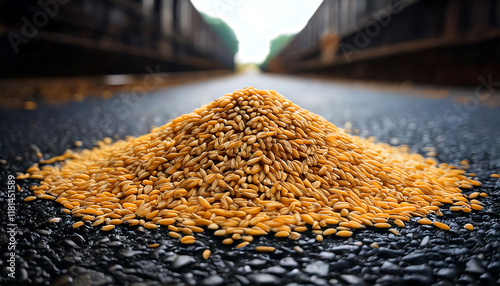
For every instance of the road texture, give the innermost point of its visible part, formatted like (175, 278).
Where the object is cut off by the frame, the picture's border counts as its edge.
(424, 118)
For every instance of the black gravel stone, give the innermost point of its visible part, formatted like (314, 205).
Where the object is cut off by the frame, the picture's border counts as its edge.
(352, 279)
(474, 266)
(213, 280)
(384, 252)
(288, 262)
(257, 263)
(276, 270)
(264, 279)
(324, 255)
(318, 267)
(448, 273)
(423, 269)
(390, 268)
(182, 261)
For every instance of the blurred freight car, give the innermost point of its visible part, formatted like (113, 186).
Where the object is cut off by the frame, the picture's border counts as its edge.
(91, 37)
(448, 42)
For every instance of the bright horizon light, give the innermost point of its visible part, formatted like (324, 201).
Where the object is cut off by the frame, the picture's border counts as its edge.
(257, 22)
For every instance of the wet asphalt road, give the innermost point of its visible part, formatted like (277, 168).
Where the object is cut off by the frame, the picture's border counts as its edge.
(56, 254)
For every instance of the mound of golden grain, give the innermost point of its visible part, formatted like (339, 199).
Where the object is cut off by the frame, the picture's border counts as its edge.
(248, 164)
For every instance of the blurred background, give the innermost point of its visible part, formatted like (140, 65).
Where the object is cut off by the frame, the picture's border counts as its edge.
(104, 46)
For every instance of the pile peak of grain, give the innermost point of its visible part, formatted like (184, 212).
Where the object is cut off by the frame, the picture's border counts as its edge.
(251, 163)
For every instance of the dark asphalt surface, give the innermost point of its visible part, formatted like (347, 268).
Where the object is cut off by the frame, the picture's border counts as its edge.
(56, 254)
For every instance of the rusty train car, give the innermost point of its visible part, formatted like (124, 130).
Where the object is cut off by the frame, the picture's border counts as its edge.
(398, 40)
(90, 37)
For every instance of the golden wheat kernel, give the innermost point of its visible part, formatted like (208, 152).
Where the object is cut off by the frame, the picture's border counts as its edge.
(236, 236)
(456, 208)
(265, 248)
(469, 226)
(30, 198)
(150, 225)
(228, 241)
(213, 226)
(399, 222)
(425, 221)
(282, 234)
(473, 195)
(220, 232)
(78, 224)
(441, 225)
(374, 245)
(116, 221)
(54, 219)
(108, 227)
(294, 235)
(476, 207)
(382, 225)
(344, 233)
(394, 231)
(242, 244)
(298, 249)
(174, 234)
(206, 254)
(483, 194)
(188, 239)
(248, 238)
(495, 175)
(154, 245)
(300, 228)
(319, 237)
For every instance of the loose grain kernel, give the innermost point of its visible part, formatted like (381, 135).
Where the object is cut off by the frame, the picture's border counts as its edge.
(248, 238)
(282, 234)
(394, 231)
(174, 234)
(188, 239)
(441, 225)
(382, 225)
(344, 233)
(150, 225)
(108, 227)
(30, 198)
(425, 221)
(265, 248)
(154, 245)
(469, 226)
(329, 231)
(242, 244)
(54, 219)
(206, 254)
(78, 224)
(298, 249)
(227, 241)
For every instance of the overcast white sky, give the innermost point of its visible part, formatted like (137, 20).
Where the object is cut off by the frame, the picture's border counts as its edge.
(257, 22)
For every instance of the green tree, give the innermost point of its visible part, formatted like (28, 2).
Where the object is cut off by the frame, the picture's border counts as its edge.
(277, 44)
(223, 30)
